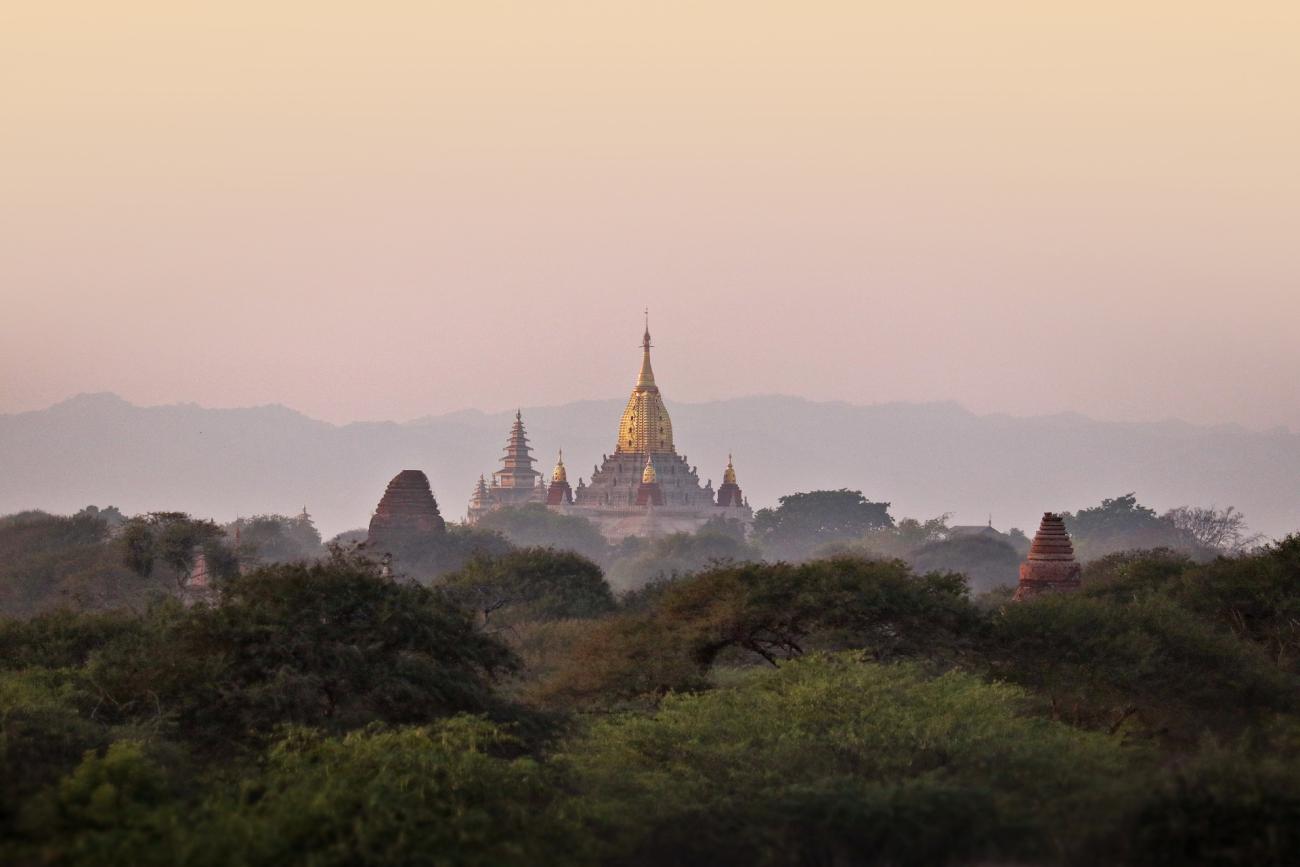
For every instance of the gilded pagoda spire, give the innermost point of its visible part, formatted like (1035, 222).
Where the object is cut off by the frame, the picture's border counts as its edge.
(645, 426)
(646, 379)
(559, 474)
(729, 474)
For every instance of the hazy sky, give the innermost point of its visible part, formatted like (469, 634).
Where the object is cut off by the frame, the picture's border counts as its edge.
(387, 210)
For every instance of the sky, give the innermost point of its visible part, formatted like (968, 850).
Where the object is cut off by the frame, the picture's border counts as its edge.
(390, 210)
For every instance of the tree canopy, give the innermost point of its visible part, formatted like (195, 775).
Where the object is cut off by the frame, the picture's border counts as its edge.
(534, 525)
(531, 584)
(802, 522)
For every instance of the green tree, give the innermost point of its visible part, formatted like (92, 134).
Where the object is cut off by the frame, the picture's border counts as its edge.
(277, 538)
(987, 562)
(174, 540)
(46, 724)
(1146, 662)
(1122, 524)
(1228, 803)
(803, 522)
(536, 526)
(1257, 597)
(50, 561)
(330, 644)
(766, 612)
(437, 555)
(679, 554)
(447, 794)
(531, 584)
(830, 760)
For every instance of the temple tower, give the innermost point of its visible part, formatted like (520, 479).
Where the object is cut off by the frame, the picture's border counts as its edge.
(559, 494)
(517, 472)
(407, 513)
(729, 494)
(1051, 566)
(479, 502)
(645, 427)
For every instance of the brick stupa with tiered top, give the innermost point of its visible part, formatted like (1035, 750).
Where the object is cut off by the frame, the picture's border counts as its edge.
(407, 514)
(1050, 567)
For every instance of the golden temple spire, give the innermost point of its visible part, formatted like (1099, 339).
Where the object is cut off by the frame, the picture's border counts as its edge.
(648, 476)
(729, 474)
(645, 426)
(647, 377)
(560, 474)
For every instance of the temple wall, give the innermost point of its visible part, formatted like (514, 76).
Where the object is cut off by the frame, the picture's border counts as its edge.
(616, 481)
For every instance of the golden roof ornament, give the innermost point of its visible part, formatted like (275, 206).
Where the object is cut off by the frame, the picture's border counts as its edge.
(729, 474)
(648, 476)
(560, 474)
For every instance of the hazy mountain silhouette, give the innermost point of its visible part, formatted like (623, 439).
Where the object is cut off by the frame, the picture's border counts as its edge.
(925, 458)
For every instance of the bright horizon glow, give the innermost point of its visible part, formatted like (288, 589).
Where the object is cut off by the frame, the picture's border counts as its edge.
(387, 213)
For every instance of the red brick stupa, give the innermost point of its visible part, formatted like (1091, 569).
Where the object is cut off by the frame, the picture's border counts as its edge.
(407, 514)
(1051, 566)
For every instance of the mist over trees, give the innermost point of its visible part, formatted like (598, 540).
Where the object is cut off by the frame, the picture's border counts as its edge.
(843, 687)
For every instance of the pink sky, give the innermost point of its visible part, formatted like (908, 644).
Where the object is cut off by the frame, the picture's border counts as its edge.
(390, 210)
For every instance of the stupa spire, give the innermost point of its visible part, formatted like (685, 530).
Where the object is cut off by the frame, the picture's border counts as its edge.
(559, 493)
(645, 426)
(647, 377)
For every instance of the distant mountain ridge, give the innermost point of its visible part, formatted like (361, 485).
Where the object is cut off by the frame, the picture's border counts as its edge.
(924, 458)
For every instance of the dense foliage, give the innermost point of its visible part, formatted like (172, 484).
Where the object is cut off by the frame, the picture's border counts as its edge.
(534, 525)
(530, 584)
(801, 523)
(853, 709)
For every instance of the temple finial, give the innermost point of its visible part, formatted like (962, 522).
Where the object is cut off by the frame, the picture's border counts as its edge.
(648, 475)
(647, 376)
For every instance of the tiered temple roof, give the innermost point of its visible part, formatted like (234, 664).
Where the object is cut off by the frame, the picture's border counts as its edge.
(517, 471)
(479, 501)
(1051, 565)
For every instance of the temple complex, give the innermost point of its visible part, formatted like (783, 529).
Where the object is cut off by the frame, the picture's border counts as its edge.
(644, 488)
(407, 514)
(1051, 566)
(516, 483)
